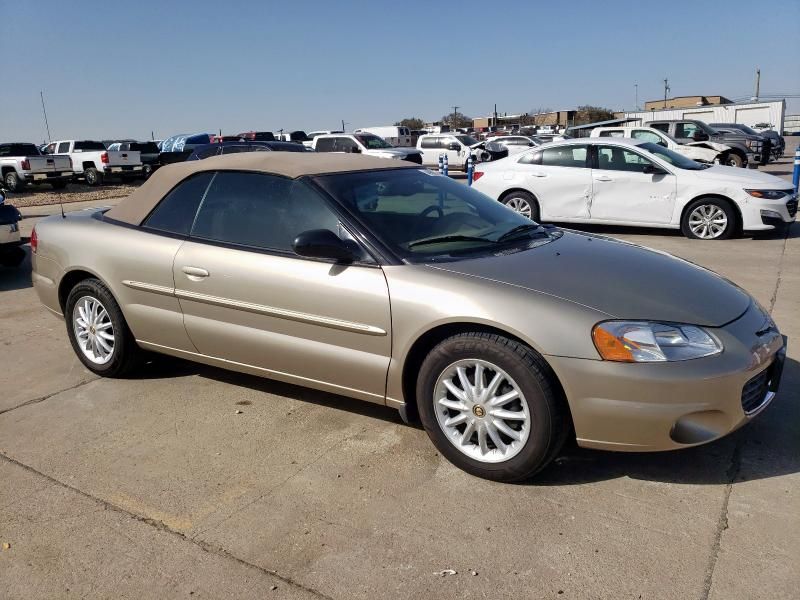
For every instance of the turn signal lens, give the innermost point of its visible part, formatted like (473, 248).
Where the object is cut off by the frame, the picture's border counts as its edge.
(645, 341)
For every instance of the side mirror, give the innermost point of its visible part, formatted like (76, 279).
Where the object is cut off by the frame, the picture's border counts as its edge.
(355, 150)
(653, 170)
(322, 243)
(454, 146)
(700, 136)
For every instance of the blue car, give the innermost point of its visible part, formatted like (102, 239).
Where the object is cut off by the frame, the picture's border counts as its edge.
(208, 150)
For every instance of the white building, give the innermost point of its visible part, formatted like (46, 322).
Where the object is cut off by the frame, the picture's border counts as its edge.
(746, 114)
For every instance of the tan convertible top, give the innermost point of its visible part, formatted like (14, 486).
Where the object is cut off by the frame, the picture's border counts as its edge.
(138, 205)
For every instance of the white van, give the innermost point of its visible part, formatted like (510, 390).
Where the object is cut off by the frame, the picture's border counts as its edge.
(399, 137)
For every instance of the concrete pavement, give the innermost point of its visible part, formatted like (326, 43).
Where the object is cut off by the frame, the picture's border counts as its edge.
(156, 488)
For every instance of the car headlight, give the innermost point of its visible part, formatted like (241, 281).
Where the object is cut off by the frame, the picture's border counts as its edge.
(768, 194)
(648, 341)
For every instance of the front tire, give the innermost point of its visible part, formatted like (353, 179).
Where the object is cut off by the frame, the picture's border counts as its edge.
(491, 406)
(709, 219)
(522, 202)
(98, 332)
(734, 160)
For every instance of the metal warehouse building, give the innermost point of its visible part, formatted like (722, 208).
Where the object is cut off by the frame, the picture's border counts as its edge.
(746, 114)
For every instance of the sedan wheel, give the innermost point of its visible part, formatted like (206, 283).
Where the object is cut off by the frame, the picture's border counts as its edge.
(94, 330)
(708, 221)
(523, 203)
(492, 406)
(482, 411)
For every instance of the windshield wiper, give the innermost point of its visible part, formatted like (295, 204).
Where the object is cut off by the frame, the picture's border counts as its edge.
(449, 238)
(514, 231)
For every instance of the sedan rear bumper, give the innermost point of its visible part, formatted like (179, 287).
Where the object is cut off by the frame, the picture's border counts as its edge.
(665, 406)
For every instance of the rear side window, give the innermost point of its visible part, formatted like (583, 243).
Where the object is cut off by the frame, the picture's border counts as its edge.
(614, 133)
(260, 211)
(325, 144)
(531, 158)
(660, 126)
(564, 156)
(87, 146)
(63, 148)
(649, 136)
(176, 212)
(430, 143)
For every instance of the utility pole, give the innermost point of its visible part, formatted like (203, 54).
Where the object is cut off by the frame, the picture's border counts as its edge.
(636, 87)
(666, 91)
(495, 115)
(758, 83)
(343, 131)
(46, 124)
(453, 124)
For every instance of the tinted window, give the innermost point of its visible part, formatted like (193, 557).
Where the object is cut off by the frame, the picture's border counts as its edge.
(87, 146)
(344, 145)
(207, 152)
(145, 147)
(617, 158)
(531, 158)
(19, 150)
(260, 211)
(660, 126)
(564, 156)
(243, 148)
(614, 133)
(63, 147)
(176, 212)
(430, 143)
(325, 144)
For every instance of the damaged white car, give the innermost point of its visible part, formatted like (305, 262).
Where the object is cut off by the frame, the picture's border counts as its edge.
(703, 152)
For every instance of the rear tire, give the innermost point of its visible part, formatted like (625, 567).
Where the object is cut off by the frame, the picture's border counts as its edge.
(93, 177)
(13, 182)
(522, 202)
(506, 433)
(98, 332)
(709, 219)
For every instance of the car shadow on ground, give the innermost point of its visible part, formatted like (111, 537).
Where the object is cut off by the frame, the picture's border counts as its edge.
(19, 277)
(764, 448)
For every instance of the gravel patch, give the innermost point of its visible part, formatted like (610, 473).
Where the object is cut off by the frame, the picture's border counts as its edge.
(74, 192)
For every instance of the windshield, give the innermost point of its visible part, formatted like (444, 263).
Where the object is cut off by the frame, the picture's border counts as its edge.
(467, 140)
(673, 158)
(427, 217)
(373, 142)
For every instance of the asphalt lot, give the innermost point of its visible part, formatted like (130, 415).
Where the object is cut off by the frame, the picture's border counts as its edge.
(156, 488)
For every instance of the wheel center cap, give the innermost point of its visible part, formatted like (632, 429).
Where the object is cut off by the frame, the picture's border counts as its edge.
(91, 329)
(479, 411)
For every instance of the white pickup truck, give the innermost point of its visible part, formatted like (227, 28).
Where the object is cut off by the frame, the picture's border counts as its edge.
(22, 163)
(94, 163)
(704, 152)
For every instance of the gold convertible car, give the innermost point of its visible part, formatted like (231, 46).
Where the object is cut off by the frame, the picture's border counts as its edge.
(383, 281)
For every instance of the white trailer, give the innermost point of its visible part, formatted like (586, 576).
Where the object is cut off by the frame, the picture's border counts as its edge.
(743, 113)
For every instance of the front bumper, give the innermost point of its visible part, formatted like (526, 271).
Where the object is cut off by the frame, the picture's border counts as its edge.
(760, 214)
(665, 406)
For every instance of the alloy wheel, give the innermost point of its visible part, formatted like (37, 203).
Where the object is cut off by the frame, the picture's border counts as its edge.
(482, 411)
(708, 221)
(94, 330)
(519, 205)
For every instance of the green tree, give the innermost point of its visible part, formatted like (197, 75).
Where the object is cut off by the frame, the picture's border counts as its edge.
(411, 123)
(592, 114)
(456, 120)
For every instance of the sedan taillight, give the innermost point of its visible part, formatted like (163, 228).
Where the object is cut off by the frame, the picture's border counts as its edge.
(477, 175)
(34, 241)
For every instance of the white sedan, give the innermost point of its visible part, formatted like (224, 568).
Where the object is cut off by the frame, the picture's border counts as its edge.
(517, 143)
(621, 181)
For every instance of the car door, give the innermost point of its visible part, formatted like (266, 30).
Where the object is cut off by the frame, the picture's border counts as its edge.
(249, 300)
(560, 179)
(457, 157)
(624, 190)
(430, 147)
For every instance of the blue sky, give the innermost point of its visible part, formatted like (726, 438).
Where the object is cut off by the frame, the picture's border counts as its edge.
(124, 69)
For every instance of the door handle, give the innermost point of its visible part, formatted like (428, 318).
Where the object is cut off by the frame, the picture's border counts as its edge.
(195, 273)
(538, 174)
(603, 178)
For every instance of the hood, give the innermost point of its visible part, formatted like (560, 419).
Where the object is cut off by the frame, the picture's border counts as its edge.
(623, 280)
(712, 145)
(744, 177)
